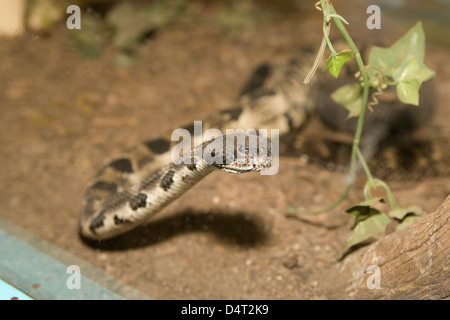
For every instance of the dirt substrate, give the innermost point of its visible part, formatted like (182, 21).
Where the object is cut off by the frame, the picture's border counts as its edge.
(63, 116)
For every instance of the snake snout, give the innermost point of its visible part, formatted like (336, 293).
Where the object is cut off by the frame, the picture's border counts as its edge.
(244, 153)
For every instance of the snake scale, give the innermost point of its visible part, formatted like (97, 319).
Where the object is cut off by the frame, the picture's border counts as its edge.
(132, 188)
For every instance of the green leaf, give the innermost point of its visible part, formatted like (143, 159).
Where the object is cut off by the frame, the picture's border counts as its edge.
(350, 97)
(363, 210)
(412, 70)
(403, 62)
(410, 79)
(408, 92)
(408, 220)
(411, 45)
(335, 62)
(401, 213)
(372, 227)
(367, 203)
(406, 215)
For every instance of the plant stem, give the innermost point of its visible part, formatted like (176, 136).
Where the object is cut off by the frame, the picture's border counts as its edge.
(390, 195)
(364, 164)
(362, 69)
(356, 152)
(329, 12)
(326, 32)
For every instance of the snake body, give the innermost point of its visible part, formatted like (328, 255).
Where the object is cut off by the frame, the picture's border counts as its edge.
(134, 187)
(130, 207)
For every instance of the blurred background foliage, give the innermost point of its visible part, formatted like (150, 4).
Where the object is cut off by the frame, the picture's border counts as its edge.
(127, 24)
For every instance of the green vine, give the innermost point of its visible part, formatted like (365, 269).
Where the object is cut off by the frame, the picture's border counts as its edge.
(400, 65)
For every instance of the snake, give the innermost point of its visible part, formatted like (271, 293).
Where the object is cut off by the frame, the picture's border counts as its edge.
(132, 188)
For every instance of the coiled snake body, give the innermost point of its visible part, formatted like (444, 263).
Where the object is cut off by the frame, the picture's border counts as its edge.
(132, 188)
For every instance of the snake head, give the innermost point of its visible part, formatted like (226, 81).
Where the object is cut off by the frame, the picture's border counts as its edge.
(239, 152)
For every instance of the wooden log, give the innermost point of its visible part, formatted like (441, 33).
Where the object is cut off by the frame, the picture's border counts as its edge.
(413, 263)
